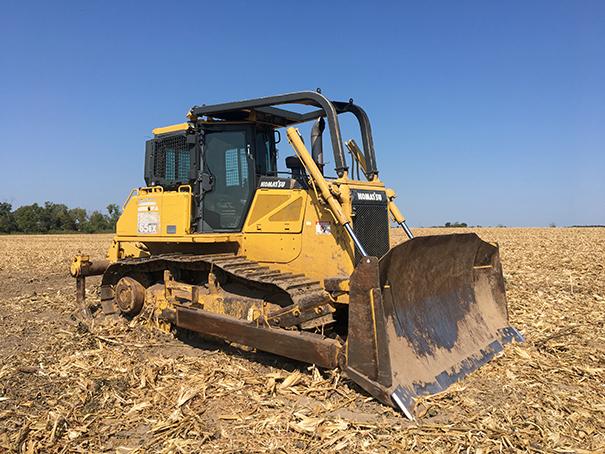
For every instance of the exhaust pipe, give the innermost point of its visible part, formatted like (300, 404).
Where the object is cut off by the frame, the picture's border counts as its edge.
(317, 143)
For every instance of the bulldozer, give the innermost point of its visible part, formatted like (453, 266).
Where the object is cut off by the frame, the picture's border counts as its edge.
(298, 263)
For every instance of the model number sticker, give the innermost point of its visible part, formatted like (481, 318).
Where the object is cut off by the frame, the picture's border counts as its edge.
(148, 216)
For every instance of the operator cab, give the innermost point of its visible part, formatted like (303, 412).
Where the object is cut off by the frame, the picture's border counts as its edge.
(222, 162)
(228, 150)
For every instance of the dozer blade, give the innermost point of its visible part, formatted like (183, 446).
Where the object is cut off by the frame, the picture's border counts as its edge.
(429, 312)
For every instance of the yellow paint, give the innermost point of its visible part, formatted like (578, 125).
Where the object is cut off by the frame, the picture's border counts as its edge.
(291, 230)
(151, 212)
(272, 247)
(276, 211)
(359, 156)
(76, 265)
(171, 128)
(295, 140)
(353, 148)
(399, 218)
(276, 231)
(155, 296)
(373, 312)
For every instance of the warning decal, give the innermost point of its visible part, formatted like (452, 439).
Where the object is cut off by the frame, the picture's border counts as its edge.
(148, 216)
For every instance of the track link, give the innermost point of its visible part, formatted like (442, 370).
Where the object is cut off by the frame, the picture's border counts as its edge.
(308, 299)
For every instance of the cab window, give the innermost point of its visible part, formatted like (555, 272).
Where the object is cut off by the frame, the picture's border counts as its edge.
(265, 153)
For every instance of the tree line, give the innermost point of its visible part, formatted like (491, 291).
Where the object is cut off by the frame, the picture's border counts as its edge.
(56, 217)
(456, 224)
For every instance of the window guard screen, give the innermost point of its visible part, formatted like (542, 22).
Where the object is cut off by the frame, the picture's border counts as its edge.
(171, 161)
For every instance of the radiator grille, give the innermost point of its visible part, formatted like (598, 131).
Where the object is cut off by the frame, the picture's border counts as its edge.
(371, 226)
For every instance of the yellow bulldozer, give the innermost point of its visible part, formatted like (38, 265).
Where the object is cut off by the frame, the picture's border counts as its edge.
(298, 263)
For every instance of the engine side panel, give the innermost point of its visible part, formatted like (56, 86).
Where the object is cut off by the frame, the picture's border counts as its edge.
(152, 212)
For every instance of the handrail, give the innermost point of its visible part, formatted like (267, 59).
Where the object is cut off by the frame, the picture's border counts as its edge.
(132, 193)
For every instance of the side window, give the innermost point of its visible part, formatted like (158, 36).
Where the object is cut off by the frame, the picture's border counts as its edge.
(236, 167)
(265, 158)
(178, 163)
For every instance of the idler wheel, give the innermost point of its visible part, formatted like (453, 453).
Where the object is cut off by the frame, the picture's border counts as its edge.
(129, 295)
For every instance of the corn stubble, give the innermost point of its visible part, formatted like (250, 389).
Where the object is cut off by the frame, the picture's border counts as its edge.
(118, 386)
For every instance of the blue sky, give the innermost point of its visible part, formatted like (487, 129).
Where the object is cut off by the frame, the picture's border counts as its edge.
(484, 112)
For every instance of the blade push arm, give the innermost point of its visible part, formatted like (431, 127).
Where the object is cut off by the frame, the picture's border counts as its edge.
(360, 158)
(399, 218)
(301, 151)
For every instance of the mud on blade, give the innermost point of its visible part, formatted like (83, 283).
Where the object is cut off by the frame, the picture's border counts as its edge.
(437, 308)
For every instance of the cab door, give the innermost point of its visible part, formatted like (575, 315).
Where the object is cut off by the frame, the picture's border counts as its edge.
(228, 160)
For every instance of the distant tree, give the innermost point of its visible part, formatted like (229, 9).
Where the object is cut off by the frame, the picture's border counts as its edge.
(57, 217)
(7, 219)
(552, 225)
(30, 219)
(97, 222)
(114, 212)
(456, 224)
(79, 218)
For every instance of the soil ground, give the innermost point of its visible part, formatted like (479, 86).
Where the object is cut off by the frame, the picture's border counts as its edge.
(118, 386)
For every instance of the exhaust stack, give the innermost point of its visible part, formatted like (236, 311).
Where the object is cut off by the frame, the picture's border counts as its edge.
(317, 143)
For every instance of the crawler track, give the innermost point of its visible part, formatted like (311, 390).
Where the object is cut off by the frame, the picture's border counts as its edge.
(297, 290)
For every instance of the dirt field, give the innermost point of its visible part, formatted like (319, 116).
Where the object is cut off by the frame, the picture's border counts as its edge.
(115, 387)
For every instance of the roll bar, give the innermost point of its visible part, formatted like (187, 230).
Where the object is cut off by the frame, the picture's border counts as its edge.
(329, 109)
